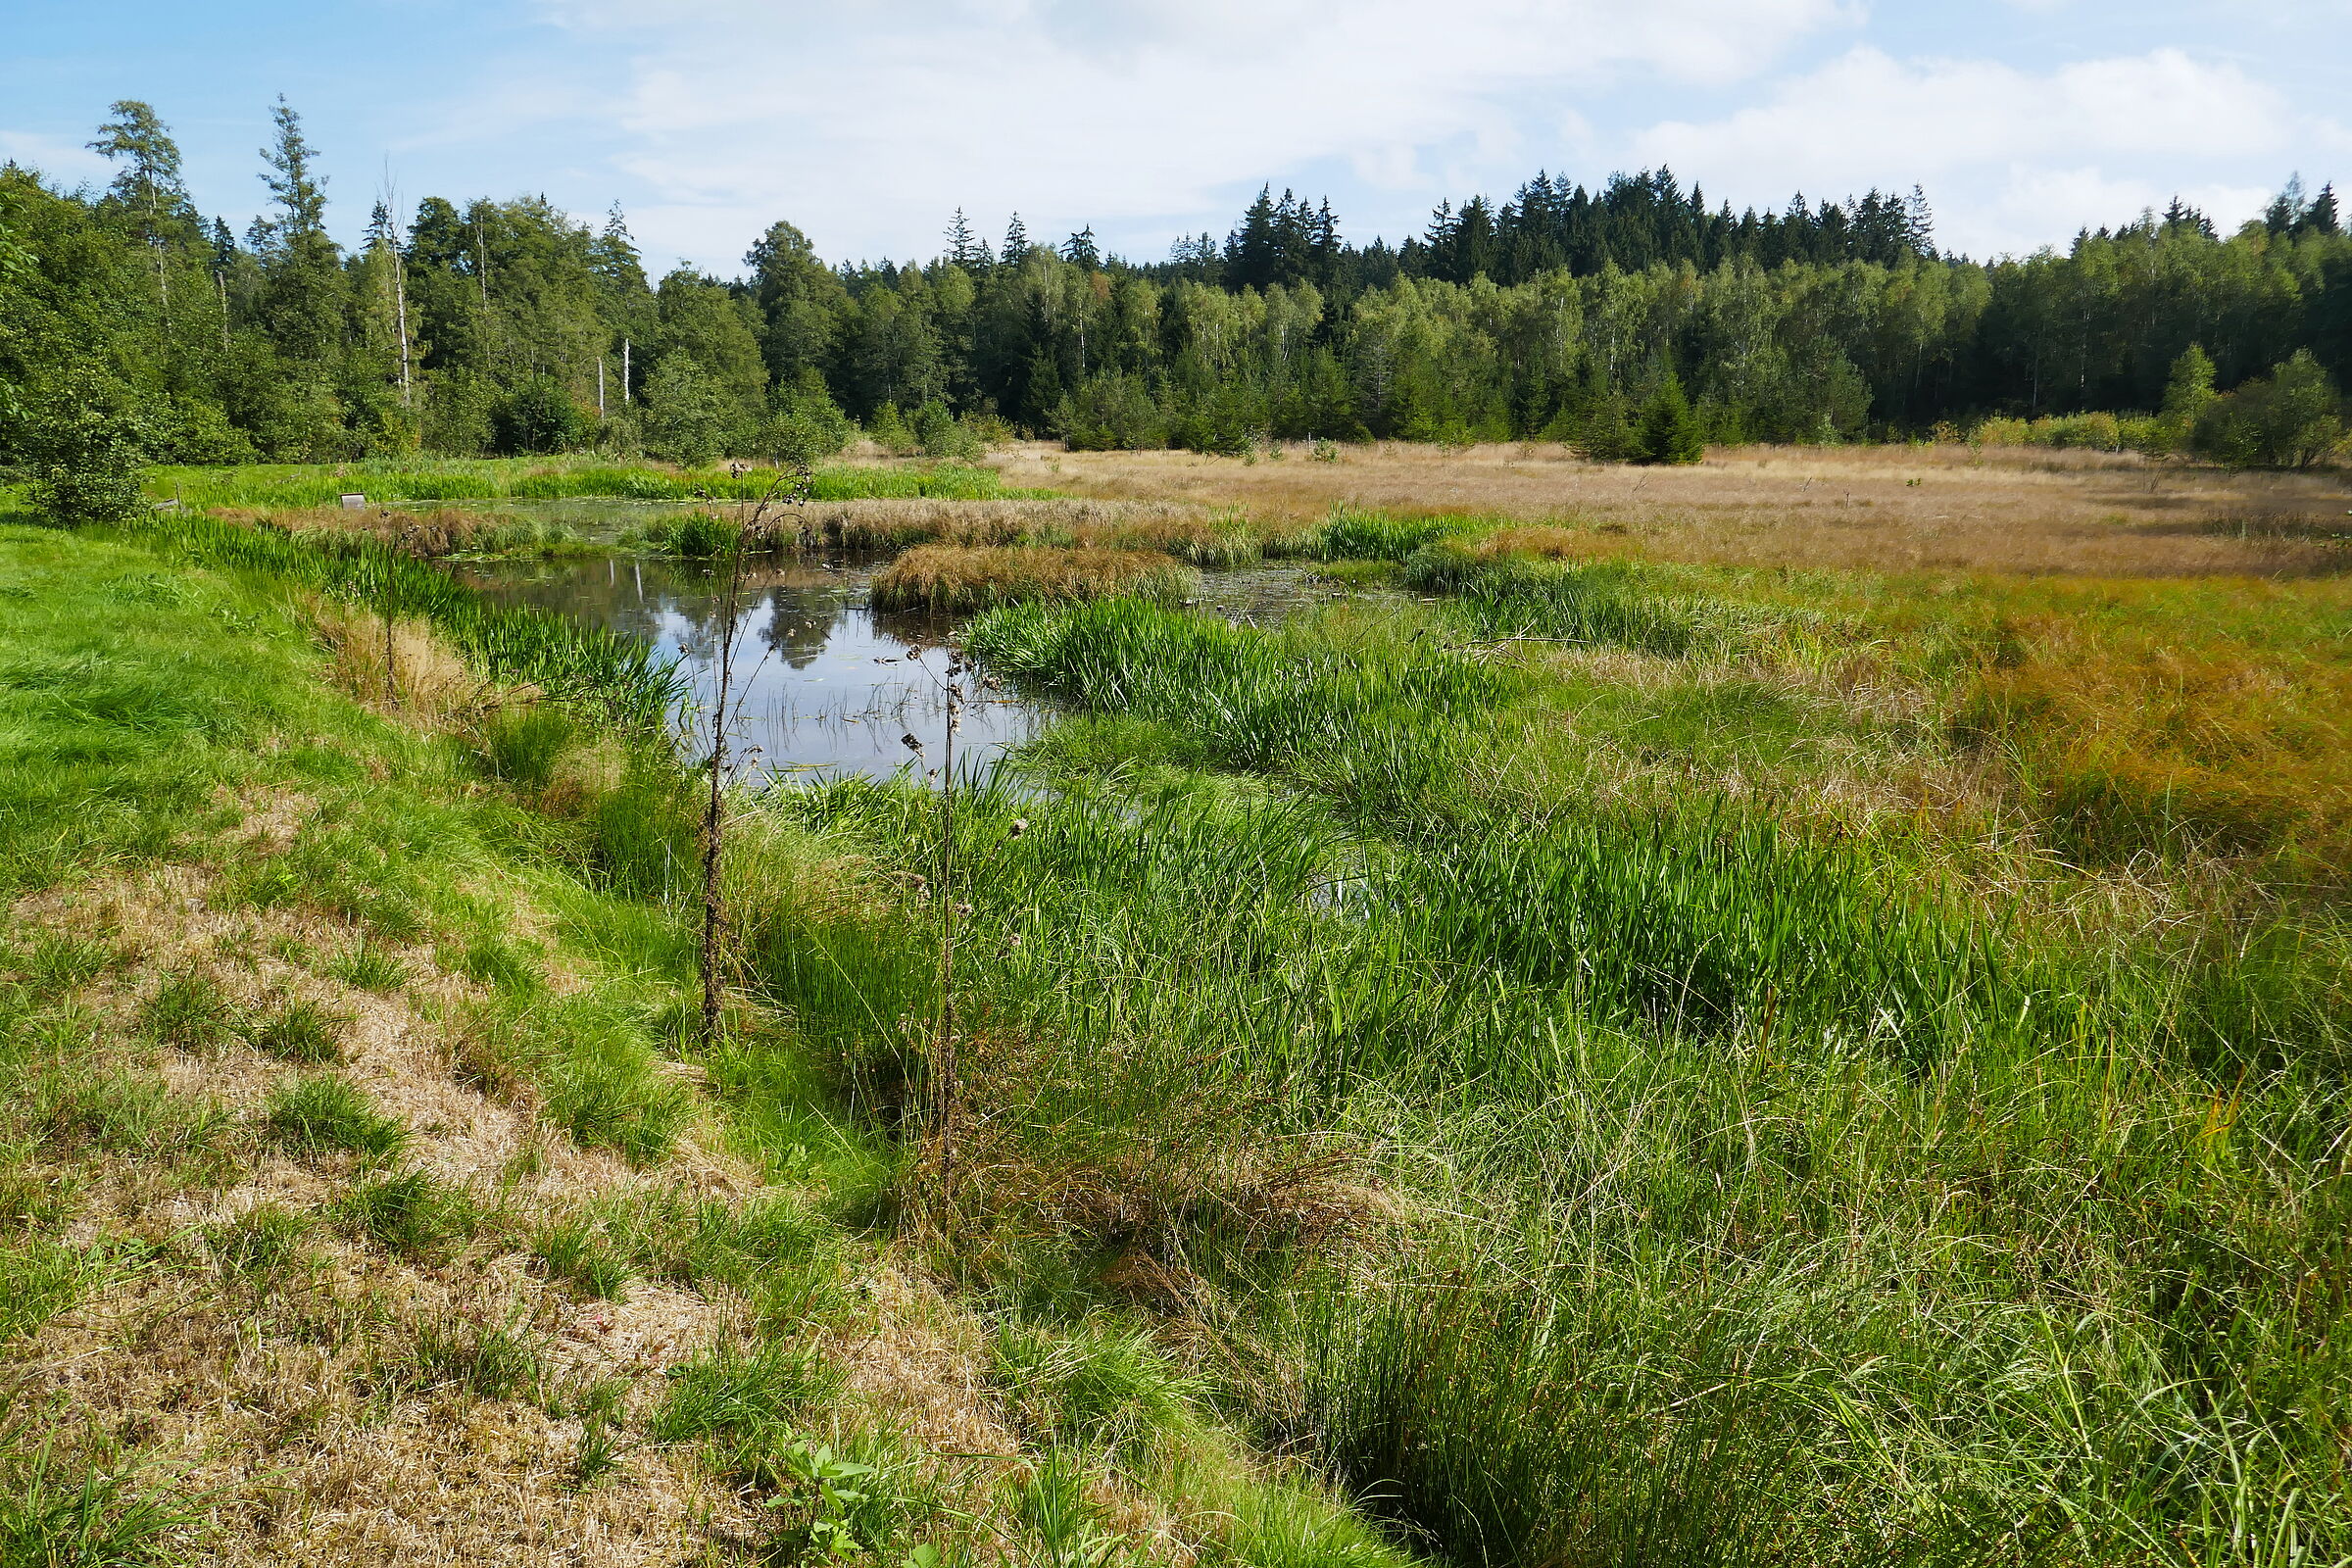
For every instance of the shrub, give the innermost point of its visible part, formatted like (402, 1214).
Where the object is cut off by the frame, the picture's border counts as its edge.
(86, 442)
(2291, 419)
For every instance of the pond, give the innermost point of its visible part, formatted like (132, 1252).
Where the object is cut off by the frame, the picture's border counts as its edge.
(826, 683)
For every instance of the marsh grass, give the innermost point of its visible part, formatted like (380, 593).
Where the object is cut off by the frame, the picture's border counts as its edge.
(1094, 1385)
(541, 479)
(1725, 1144)
(1879, 510)
(951, 580)
(511, 645)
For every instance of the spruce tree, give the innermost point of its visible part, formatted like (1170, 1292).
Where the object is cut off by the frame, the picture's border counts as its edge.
(963, 250)
(1670, 431)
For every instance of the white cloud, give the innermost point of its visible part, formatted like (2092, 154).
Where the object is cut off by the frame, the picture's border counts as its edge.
(868, 121)
(62, 160)
(2016, 158)
(1942, 115)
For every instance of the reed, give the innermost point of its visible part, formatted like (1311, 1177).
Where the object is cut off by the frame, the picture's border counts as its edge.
(948, 578)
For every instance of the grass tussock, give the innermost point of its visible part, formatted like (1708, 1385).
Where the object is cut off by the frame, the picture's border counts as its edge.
(953, 579)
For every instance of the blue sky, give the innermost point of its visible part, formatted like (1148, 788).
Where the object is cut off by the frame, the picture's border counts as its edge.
(866, 122)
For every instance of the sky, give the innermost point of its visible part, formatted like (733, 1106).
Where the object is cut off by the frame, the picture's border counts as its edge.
(867, 123)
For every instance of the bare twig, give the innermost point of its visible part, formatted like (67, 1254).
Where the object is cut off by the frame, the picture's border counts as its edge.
(754, 533)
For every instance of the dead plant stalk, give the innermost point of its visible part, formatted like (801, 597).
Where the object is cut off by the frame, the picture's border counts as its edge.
(785, 490)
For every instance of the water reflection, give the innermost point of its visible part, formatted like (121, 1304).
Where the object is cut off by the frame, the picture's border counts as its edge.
(825, 683)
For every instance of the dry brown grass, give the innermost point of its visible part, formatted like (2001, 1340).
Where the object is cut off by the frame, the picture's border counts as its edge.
(1878, 508)
(438, 531)
(895, 524)
(429, 684)
(282, 1401)
(269, 1400)
(958, 578)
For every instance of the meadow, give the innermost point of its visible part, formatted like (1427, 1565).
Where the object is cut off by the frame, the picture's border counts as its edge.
(1795, 1011)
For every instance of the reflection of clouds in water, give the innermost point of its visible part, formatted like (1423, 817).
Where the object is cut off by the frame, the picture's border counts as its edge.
(824, 681)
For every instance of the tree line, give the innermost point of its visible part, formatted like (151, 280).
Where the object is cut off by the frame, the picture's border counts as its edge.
(1633, 320)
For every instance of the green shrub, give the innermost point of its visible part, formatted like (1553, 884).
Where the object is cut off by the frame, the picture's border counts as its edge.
(524, 745)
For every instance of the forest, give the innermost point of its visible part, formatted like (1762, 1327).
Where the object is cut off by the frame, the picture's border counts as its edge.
(511, 327)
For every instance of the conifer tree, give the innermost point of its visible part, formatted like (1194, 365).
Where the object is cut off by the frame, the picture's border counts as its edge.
(1670, 431)
(148, 184)
(962, 251)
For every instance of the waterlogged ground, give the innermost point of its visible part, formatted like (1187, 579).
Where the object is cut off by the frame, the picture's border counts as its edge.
(828, 683)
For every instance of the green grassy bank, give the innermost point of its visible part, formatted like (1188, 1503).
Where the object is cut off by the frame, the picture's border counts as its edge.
(352, 1091)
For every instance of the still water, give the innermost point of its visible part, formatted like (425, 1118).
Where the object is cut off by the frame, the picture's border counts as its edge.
(826, 681)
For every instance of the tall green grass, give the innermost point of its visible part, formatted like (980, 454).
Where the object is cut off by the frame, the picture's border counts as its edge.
(1352, 534)
(508, 643)
(539, 478)
(1751, 1195)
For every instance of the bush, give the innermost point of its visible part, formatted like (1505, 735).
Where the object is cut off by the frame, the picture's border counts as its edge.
(1113, 412)
(808, 426)
(2291, 419)
(941, 434)
(86, 442)
(687, 417)
(538, 415)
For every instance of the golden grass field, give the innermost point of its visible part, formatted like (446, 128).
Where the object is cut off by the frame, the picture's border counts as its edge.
(1874, 508)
